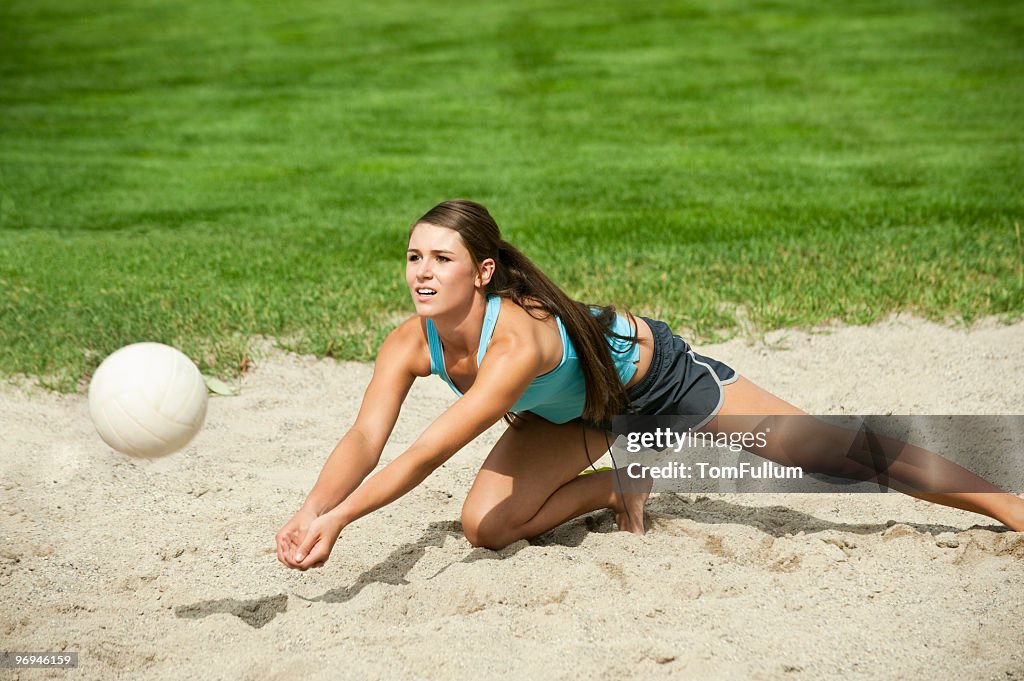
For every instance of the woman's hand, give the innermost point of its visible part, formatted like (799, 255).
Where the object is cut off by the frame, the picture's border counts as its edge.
(292, 534)
(315, 548)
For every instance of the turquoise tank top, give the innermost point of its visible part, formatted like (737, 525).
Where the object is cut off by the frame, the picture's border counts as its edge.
(558, 395)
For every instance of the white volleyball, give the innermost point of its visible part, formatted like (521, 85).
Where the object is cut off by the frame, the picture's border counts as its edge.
(147, 400)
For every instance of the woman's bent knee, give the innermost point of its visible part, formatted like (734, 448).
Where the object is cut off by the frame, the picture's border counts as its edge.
(484, 529)
(485, 539)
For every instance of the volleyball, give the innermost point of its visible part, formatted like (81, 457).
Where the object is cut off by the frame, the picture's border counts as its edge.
(147, 400)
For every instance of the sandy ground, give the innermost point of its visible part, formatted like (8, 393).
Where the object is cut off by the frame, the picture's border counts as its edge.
(166, 570)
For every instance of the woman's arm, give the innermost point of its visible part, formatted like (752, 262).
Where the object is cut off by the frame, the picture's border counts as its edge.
(509, 367)
(357, 454)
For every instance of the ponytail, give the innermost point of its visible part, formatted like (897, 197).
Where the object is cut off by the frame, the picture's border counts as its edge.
(516, 277)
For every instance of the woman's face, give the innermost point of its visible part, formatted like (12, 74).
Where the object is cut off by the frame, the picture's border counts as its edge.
(440, 271)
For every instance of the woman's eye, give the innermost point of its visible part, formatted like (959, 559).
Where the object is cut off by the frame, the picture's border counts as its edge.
(413, 258)
(442, 258)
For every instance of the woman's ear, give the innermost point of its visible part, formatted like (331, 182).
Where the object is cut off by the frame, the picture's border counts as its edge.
(485, 272)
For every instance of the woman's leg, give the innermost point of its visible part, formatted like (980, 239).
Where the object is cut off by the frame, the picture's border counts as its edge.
(530, 483)
(822, 448)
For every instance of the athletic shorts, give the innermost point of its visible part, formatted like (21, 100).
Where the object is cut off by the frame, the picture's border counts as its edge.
(679, 382)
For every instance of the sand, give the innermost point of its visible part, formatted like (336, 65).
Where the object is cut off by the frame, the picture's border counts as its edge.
(167, 569)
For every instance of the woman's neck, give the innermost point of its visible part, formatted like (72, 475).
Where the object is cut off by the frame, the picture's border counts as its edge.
(460, 329)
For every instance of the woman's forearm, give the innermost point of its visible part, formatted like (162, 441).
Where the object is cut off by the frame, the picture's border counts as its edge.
(394, 480)
(351, 461)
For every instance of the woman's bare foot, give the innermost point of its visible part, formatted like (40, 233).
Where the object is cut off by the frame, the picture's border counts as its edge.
(1013, 516)
(635, 497)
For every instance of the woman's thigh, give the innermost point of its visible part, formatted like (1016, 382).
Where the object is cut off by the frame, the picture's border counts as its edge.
(791, 436)
(529, 462)
(745, 398)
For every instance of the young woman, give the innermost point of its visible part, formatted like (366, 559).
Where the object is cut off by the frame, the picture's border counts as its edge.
(512, 344)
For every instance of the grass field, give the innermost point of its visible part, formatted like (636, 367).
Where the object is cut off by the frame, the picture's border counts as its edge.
(204, 173)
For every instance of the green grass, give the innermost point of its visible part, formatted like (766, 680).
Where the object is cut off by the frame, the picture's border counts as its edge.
(205, 173)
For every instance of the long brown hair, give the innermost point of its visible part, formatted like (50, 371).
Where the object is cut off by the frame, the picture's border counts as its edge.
(517, 278)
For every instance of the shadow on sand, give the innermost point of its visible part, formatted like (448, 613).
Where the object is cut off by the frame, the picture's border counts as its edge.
(776, 521)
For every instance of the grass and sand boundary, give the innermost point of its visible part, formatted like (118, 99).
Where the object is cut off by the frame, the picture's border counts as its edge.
(204, 174)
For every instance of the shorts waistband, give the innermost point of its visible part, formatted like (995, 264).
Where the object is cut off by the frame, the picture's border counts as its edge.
(662, 339)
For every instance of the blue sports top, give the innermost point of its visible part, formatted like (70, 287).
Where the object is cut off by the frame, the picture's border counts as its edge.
(559, 394)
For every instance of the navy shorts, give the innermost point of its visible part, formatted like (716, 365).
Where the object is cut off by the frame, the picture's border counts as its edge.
(679, 382)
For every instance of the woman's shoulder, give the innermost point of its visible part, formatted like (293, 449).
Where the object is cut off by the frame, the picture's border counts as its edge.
(523, 330)
(526, 317)
(407, 344)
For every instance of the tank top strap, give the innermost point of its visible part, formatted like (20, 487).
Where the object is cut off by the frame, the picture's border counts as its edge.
(436, 351)
(490, 319)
